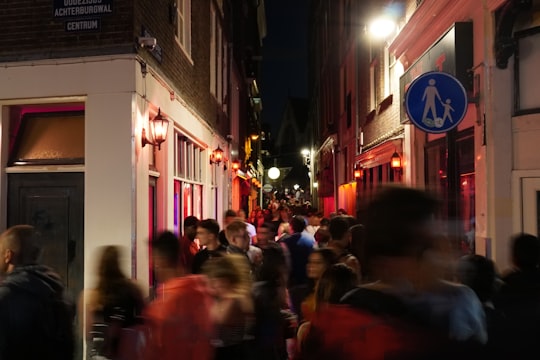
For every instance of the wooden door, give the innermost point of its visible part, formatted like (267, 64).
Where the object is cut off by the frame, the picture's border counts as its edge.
(54, 204)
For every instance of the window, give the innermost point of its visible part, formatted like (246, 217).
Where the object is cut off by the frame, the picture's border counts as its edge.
(527, 75)
(436, 177)
(373, 86)
(183, 24)
(48, 138)
(213, 48)
(188, 159)
(188, 176)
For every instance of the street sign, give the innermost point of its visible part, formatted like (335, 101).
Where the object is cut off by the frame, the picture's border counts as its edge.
(267, 188)
(436, 102)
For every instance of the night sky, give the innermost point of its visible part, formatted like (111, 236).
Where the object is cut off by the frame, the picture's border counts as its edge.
(284, 64)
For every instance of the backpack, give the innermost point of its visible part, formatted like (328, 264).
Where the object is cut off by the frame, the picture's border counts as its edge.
(110, 339)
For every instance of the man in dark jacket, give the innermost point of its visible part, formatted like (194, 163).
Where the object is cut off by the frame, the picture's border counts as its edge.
(36, 321)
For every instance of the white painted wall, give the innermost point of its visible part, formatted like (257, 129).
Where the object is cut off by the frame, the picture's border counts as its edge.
(117, 101)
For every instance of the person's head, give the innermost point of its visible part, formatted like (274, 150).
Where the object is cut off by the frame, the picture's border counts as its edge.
(237, 234)
(325, 222)
(228, 273)
(298, 223)
(318, 261)
(283, 229)
(19, 246)
(165, 255)
(334, 283)
(190, 227)
(266, 233)
(208, 233)
(314, 217)
(339, 231)
(525, 251)
(412, 231)
(230, 216)
(478, 273)
(322, 237)
(241, 214)
(109, 263)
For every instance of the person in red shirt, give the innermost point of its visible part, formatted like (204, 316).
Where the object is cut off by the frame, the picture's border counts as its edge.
(189, 247)
(177, 323)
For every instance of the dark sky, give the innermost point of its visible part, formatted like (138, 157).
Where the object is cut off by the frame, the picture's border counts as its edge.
(284, 64)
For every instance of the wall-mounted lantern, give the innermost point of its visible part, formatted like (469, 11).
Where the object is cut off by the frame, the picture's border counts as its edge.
(254, 136)
(217, 156)
(358, 171)
(158, 131)
(235, 165)
(395, 161)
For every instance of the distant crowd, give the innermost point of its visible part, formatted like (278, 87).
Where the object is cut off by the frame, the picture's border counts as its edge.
(283, 283)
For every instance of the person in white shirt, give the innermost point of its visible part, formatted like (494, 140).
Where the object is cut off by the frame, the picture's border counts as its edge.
(250, 227)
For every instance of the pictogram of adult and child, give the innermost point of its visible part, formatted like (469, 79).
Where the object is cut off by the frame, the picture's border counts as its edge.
(431, 94)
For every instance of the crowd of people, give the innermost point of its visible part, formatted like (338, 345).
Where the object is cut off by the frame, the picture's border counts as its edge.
(284, 284)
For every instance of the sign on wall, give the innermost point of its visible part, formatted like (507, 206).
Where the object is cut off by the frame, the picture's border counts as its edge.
(452, 53)
(82, 15)
(436, 102)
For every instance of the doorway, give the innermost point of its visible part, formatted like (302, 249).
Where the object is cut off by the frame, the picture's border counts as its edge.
(54, 204)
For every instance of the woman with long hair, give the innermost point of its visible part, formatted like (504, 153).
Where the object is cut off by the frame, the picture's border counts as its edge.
(233, 310)
(114, 304)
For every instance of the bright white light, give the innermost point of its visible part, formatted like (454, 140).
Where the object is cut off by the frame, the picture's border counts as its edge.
(296, 186)
(315, 184)
(382, 27)
(305, 152)
(273, 173)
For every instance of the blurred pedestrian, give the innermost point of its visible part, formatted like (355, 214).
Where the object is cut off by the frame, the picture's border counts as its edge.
(36, 317)
(229, 216)
(112, 307)
(479, 273)
(409, 312)
(177, 322)
(519, 296)
(303, 297)
(336, 281)
(233, 309)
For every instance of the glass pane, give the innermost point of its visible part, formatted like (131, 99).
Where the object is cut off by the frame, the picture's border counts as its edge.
(177, 208)
(197, 201)
(50, 138)
(529, 76)
(188, 200)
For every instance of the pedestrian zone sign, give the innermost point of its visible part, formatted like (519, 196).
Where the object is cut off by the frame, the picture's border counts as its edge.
(436, 102)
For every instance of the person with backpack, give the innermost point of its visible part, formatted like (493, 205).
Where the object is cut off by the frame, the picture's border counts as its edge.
(408, 311)
(36, 317)
(112, 309)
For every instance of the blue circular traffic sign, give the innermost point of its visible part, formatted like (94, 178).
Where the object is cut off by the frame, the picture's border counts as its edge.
(436, 102)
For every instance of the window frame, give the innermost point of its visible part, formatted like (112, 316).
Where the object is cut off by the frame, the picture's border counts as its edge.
(518, 110)
(182, 33)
